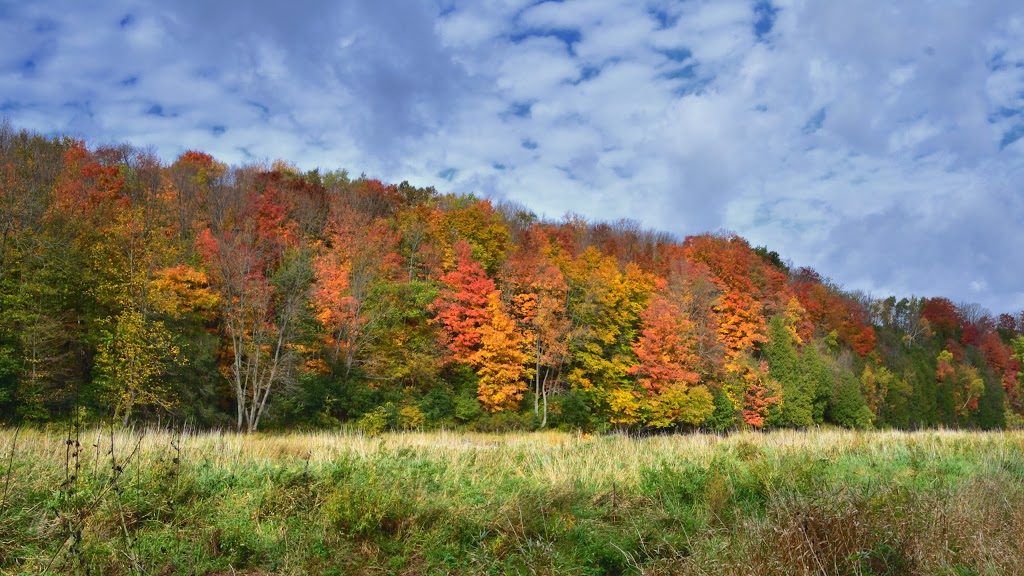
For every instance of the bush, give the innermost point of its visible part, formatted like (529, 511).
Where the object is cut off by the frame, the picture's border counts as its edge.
(411, 417)
(572, 411)
(375, 421)
(438, 405)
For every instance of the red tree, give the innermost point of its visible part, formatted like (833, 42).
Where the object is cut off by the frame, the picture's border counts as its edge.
(942, 314)
(461, 308)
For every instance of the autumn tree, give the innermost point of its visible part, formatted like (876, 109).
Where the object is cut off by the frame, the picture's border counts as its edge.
(537, 293)
(125, 283)
(420, 232)
(461, 309)
(761, 394)
(604, 309)
(263, 280)
(501, 360)
(751, 289)
(667, 363)
(135, 347)
(190, 180)
(111, 204)
(942, 315)
(478, 224)
(962, 381)
(359, 258)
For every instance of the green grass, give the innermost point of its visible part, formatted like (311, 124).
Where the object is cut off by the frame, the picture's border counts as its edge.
(824, 502)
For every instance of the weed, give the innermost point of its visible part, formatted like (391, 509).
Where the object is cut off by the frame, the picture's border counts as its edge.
(120, 501)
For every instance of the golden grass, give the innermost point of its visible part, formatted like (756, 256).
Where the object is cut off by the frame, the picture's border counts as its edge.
(555, 456)
(827, 501)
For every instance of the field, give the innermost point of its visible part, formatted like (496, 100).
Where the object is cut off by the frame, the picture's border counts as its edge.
(819, 502)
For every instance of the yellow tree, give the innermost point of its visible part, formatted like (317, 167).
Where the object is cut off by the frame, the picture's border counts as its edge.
(501, 360)
(479, 225)
(130, 361)
(604, 305)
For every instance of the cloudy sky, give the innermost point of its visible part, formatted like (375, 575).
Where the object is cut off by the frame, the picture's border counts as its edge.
(880, 142)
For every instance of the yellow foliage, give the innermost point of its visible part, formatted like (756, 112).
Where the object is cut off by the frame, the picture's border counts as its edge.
(412, 417)
(501, 361)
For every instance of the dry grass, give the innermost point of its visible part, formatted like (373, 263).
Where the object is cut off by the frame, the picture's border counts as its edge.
(556, 456)
(786, 502)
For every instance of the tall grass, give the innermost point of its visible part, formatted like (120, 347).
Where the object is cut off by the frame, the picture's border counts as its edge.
(817, 502)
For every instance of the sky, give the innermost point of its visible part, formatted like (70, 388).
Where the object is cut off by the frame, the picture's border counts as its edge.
(879, 142)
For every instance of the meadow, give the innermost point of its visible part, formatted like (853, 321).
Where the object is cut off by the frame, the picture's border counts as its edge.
(102, 501)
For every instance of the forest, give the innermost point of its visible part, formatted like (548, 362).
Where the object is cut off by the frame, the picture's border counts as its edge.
(264, 297)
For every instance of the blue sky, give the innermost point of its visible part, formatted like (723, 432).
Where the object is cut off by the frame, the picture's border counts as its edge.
(881, 143)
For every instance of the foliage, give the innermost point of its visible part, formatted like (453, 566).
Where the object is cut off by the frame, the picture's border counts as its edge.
(501, 360)
(212, 294)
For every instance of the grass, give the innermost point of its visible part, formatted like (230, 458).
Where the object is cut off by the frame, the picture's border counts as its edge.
(818, 502)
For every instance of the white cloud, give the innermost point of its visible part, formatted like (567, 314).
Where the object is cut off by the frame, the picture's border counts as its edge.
(882, 145)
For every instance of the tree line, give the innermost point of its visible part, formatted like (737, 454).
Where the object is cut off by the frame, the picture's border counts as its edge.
(262, 296)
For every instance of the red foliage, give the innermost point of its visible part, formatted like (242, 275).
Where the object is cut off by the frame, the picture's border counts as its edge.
(829, 311)
(944, 370)
(88, 188)
(997, 354)
(1007, 323)
(942, 314)
(751, 290)
(855, 331)
(376, 198)
(734, 262)
(200, 160)
(970, 335)
(758, 400)
(461, 308)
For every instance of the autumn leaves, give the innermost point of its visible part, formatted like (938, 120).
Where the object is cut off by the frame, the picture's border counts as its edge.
(139, 289)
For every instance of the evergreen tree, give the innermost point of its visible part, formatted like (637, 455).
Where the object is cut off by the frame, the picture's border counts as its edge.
(848, 407)
(797, 406)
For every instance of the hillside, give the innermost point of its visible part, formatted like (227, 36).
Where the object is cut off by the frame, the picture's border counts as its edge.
(261, 297)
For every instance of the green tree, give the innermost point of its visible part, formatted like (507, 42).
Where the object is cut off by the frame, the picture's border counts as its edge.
(848, 407)
(798, 388)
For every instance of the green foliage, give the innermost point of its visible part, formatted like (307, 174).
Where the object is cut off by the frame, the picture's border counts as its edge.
(724, 415)
(991, 413)
(760, 504)
(772, 257)
(1018, 354)
(818, 379)
(438, 405)
(799, 388)
(467, 408)
(573, 411)
(848, 407)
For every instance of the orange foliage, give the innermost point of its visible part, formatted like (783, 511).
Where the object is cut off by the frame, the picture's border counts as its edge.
(500, 361)
(829, 310)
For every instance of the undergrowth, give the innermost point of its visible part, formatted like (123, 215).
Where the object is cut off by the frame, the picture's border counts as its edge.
(827, 502)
